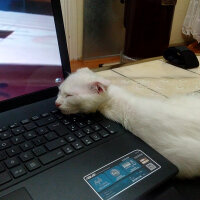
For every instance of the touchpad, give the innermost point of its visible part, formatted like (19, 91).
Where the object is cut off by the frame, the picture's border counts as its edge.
(20, 194)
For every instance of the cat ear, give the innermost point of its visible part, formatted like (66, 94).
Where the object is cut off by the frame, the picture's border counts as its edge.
(99, 87)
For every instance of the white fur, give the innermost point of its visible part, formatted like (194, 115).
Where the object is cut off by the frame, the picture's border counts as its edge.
(170, 126)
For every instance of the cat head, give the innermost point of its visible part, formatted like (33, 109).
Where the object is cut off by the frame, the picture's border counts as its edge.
(82, 91)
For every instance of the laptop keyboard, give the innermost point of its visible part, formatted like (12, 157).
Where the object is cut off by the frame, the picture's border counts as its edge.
(33, 145)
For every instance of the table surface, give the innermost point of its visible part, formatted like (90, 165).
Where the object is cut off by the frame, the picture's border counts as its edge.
(155, 78)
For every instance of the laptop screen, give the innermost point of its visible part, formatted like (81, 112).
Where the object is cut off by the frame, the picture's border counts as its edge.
(29, 53)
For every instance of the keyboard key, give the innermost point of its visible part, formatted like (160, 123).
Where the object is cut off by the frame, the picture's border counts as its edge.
(13, 151)
(70, 138)
(109, 127)
(54, 111)
(14, 125)
(30, 135)
(55, 144)
(4, 144)
(77, 145)
(61, 130)
(54, 125)
(32, 165)
(30, 126)
(45, 121)
(42, 130)
(66, 121)
(68, 149)
(38, 151)
(17, 139)
(26, 156)
(18, 171)
(79, 134)
(87, 140)
(2, 168)
(4, 178)
(25, 121)
(81, 124)
(26, 146)
(5, 135)
(3, 128)
(95, 136)
(3, 155)
(52, 156)
(36, 117)
(59, 116)
(96, 127)
(88, 130)
(72, 127)
(19, 130)
(51, 136)
(12, 162)
(89, 122)
(103, 133)
(45, 114)
(39, 140)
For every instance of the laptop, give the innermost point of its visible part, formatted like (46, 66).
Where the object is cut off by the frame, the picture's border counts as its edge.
(43, 153)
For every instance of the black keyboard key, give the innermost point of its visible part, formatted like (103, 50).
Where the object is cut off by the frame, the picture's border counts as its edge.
(51, 136)
(26, 156)
(66, 121)
(55, 111)
(30, 126)
(12, 162)
(77, 145)
(62, 130)
(13, 151)
(5, 135)
(79, 134)
(45, 114)
(19, 130)
(109, 127)
(14, 125)
(38, 151)
(87, 140)
(54, 125)
(68, 149)
(72, 127)
(55, 144)
(4, 178)
(36, 117)
(3, 128)
(39, 141)
(30, 135)
(32, 165)
(95, 136)
(26, 146)
(25, 121)
(52, 156)
(89, 122)
(70, 138)
(45, 121)
(81, 124)
(4, 144)
(3, 155)
(104, 133)
(17, 139)
(96, 127)
(59, 116)
(88, 130)
(2, 168)
(18, 171)
(42, 130)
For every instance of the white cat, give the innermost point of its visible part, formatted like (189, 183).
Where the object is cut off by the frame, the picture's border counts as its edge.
(170, 126)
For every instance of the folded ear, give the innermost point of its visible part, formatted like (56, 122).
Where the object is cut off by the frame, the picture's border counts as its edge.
(99, 87)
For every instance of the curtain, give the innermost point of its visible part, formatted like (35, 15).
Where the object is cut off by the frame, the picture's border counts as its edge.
(191, 25)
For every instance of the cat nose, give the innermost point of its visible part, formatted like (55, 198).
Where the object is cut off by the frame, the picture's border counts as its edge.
(58, 104)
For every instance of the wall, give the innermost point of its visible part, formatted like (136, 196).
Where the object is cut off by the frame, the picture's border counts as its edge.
(179, 15)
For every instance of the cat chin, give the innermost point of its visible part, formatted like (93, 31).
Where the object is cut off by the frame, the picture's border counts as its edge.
(68, 112)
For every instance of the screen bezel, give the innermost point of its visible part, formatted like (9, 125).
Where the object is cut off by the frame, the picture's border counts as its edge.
(52, 91)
